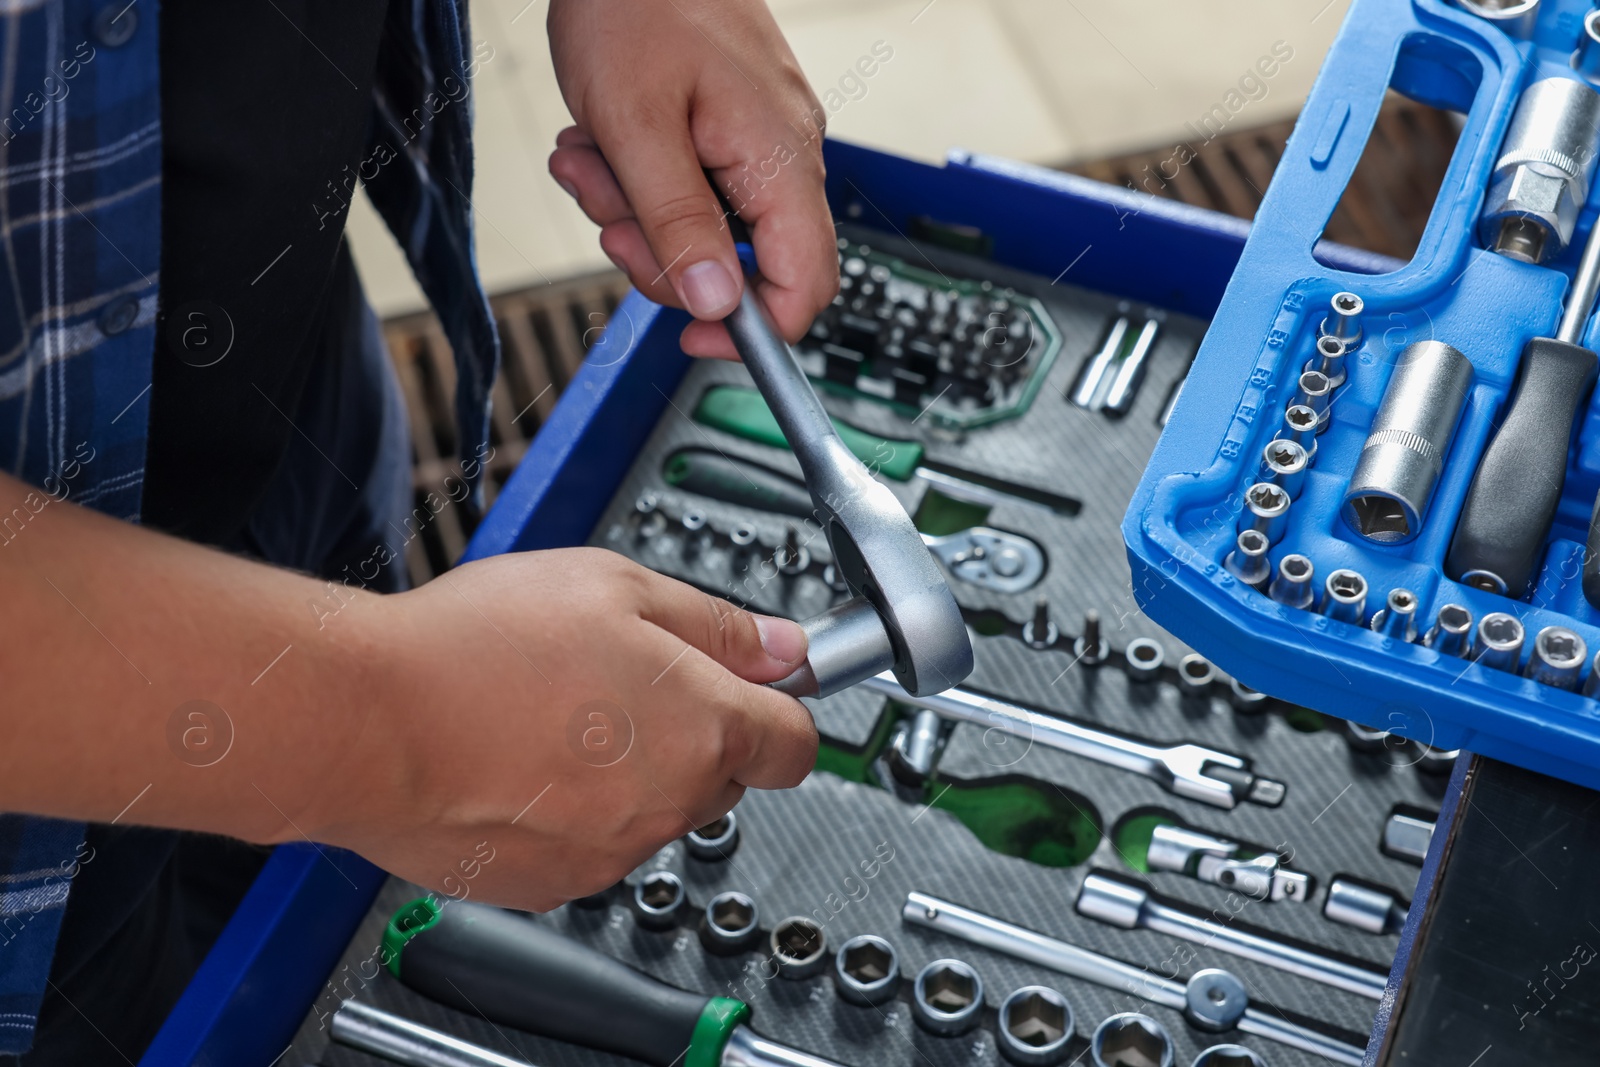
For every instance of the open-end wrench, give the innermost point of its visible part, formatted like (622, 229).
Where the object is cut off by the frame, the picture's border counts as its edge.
(1211, 999)
(1208, 775)
(901, 615)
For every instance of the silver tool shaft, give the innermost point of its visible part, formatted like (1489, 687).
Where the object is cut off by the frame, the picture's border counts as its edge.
(1131, 905)
(364, 1027)
(922, 909)
(1181, 769)
(1585, 286)
(746, 1048)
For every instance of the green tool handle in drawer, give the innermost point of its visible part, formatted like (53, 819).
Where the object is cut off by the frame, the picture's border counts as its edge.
(743, 412)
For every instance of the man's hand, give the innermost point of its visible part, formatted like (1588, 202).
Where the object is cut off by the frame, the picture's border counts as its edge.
(522, 730)
(566, 713)
(659, 90)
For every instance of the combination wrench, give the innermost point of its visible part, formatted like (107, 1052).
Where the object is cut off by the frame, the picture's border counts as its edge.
(1207, 775)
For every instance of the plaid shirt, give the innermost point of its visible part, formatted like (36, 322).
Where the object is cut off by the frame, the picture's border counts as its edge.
(80, 223)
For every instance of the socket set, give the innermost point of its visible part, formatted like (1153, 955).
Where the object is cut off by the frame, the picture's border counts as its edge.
(1378, 493)
(1099, 849)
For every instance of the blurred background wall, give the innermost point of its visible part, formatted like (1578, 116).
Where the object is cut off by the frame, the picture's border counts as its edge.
(1062, 83)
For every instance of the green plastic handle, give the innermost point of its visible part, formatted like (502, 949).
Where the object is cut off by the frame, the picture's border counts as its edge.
(743, 412)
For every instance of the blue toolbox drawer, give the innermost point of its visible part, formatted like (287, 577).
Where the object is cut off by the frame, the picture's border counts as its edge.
(304, 938)
(1414, 499)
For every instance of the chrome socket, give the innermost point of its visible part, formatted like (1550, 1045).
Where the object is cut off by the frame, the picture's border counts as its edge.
(1375, 910)
(743, 536)
(1558, 658)
(1542, 177)
(729, 924)
(1228, 1056)
(1498, 642)
(1344, 596)
(1292, 584)
(658, 900)
(1266, 509)
(1284, 464)
(1592, 686)
(1515, 17)
(1398, 616)
(1036, 1027)
(1248, 561)
(1145, 659)
(1586, 60)
(799, 947)
(1130, 1037)
(715, 841)
(1389, 492)
(866, 970)
(1300, 425)
(1330, 357)
(947, 998)
(1196, 674)
(1343, 321)
(1451, 634)
(1315, 391)
(1244, 699)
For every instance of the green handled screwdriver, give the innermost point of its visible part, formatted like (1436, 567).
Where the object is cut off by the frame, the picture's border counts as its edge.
(515, 972)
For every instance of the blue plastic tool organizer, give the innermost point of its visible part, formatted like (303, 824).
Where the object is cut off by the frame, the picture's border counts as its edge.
(1181, 523)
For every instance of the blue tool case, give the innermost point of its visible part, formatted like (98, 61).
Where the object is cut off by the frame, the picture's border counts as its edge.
(1192, 571)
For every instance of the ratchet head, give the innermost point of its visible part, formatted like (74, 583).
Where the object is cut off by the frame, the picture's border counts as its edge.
(878, 553)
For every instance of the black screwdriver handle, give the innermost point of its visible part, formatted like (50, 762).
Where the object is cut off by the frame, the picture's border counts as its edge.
(514, 972)
(1514, 494)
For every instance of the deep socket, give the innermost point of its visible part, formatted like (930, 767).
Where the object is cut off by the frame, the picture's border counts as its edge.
(1387, 499)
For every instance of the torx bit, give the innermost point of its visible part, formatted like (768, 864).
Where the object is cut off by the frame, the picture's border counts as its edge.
(1498, 643)
(1398, 616)
(1558, 657)
(1248, 561)
(1292, 586)
(1284, 464)
(1040, 631)
(1451, 634)
(1091, 649)
(1266, 509)
(1300, 425)
(1345, 596)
